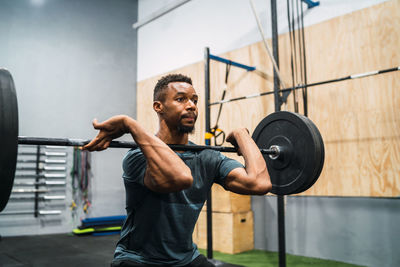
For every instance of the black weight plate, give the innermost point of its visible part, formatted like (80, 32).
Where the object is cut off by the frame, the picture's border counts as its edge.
(320, 155)
(8, 135)
(317, 156)
(295, 167)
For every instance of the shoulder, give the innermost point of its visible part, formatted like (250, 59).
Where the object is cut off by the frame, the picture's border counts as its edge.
(133, 157)
(211, 155)
(218, 165)
(218, 161)
(134, 166)
(133, 152)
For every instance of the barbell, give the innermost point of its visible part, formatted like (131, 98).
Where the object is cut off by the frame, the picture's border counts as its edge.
(290, 143)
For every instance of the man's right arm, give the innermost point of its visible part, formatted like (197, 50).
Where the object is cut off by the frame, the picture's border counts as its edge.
(165, 170)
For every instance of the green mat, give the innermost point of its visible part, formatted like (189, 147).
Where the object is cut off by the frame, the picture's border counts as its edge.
(259, 258)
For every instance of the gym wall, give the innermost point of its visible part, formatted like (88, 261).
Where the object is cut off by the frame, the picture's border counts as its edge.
(72, 61)
(178, 38)
(358, 119)
(354, 202)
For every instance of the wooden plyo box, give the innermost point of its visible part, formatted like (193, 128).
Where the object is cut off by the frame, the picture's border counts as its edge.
(226, 201)
(232, 232)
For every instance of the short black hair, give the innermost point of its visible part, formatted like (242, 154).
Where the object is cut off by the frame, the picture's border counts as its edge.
(162, 84)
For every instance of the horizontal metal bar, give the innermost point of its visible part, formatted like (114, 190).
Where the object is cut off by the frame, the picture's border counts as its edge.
(123, 144)
(47, 183)
(68, 142)
(56, 147)
(29, 191)
(45, 168)
(45, 175)
(47, 161)
(47, 154)
(49, 212)
(354, 76)
(53, 197)
(40, 198)
(23, 212)
(233, 63)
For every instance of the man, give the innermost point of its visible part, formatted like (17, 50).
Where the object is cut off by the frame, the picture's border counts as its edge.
(165, 190)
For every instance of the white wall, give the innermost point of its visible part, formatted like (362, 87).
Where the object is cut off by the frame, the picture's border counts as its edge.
(179, 37)
(71, 61)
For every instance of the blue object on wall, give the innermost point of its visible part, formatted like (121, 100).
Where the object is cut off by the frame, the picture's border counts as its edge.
(311, 4)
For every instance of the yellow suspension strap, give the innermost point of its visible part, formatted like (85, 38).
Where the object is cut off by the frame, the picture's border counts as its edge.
(207, 138)
(217, 132)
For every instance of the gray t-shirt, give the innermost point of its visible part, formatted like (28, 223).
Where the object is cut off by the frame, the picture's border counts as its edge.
(159, 226)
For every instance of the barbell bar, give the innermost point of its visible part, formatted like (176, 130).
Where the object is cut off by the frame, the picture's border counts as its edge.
(290, 143)
(25, 140)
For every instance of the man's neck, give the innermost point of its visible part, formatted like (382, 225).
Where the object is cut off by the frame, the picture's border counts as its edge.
(172, 136)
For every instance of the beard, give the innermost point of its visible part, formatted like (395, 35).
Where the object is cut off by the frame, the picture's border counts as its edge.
(185, 129)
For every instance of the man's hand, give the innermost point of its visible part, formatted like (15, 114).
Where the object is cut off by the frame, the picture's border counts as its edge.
(231, 138)
(110, 129)
(254, 179)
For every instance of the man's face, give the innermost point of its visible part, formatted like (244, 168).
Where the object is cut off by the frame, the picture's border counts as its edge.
(180, 106)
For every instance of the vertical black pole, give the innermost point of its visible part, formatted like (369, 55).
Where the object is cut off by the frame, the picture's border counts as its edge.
(275, 52)
(278, 103)
(36, 212)
(207, 142)
(305, 99)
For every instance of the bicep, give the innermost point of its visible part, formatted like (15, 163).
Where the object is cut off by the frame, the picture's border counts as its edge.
(241, 182)
(238, 181)
(168, 179)
(149, 182)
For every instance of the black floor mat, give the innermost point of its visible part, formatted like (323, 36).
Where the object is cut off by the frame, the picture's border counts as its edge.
(62, 250)
(59, 250)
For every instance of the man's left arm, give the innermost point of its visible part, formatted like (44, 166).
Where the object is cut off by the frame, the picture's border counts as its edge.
(254, 178)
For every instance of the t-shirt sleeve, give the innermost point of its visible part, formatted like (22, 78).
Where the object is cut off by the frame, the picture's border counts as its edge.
(225, 166)
(134, 166)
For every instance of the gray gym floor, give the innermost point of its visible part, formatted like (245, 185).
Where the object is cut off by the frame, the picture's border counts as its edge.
(62, 250)
(59, 250)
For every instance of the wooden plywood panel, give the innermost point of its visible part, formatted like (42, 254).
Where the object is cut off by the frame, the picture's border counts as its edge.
(225, 201)
(246, 113)
(358, 119)
(232, 232)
